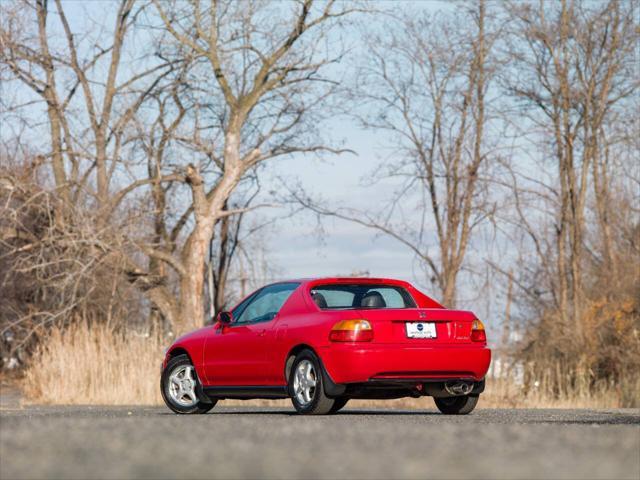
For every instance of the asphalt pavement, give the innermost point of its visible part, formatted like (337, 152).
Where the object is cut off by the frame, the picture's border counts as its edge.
(238, 442)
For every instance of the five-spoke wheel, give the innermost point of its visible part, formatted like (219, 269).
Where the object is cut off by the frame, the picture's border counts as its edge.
(306, 385)
(182, 386)
(305, 381)
(179, 386)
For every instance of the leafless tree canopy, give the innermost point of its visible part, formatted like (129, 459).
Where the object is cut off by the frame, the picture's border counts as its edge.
(575, 83)
(152, 153)
(426, 84)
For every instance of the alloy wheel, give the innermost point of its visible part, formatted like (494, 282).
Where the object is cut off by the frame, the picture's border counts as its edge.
(305, 381)
(182, 386)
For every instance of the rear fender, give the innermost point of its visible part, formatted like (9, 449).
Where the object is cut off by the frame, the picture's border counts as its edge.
(331, 388)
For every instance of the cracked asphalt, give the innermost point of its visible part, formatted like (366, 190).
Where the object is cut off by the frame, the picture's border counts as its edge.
(241, 442)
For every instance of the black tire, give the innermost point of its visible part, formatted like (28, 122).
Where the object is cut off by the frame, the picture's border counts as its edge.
(338, 404)
(457, 405)
(319, 403)
(200, 406)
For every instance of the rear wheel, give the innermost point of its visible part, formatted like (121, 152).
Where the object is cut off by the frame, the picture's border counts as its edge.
(179, 386)
(338, 404)
(461, 405)
(306, 386)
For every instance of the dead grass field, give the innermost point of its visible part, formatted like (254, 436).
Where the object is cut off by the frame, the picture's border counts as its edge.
(99, 367)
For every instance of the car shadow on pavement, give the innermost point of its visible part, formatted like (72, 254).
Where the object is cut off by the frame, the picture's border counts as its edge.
(341, 413)
(292, 412)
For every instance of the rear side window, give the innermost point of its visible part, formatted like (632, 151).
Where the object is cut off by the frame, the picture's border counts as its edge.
(361, 296)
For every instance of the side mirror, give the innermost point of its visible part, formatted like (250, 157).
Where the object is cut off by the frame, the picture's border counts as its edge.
(225, 318)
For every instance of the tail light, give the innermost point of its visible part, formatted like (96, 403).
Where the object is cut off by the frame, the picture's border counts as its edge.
(351, 331)
(477, 331)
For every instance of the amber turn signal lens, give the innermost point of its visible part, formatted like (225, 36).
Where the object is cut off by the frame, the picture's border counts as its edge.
(351, 331)
(478, 333)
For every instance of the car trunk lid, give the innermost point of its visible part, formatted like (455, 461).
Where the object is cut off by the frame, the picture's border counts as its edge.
(390, 325)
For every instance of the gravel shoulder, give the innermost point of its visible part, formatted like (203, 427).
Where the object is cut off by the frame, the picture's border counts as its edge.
(238, 442)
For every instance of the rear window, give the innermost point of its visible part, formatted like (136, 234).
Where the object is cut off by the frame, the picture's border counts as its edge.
(360, 296)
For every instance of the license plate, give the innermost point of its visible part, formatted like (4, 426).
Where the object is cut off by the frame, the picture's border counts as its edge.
(421, 330)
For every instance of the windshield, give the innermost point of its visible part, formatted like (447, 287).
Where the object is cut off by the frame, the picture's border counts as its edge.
(361, 296)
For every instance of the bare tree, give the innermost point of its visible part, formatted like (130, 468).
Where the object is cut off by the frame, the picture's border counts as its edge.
(222, 254)
(26, 54)
(268, 83)
(230, 85)
(427, 85)
(574, 66)
(67, 75)
(88, 116)
(573, 76)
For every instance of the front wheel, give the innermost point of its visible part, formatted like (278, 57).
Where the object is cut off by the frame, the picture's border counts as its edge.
(179, 386)
(306, 386)
(461, 405)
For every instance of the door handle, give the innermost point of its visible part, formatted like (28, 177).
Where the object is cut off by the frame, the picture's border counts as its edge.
(263, 332)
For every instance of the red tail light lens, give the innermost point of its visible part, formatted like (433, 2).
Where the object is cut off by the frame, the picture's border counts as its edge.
(478, 333)
(351, 331)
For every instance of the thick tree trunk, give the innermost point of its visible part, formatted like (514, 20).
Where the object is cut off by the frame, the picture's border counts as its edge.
(449, 289)
(192, 308)
(208, 209)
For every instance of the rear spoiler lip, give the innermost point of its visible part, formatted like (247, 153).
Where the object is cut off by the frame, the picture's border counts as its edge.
(429, 315)
(432, 320)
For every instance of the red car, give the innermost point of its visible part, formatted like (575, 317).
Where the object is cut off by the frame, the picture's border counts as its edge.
(324, 341)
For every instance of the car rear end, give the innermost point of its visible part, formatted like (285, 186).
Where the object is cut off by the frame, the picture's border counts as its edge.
(393, 352)
(415, 346)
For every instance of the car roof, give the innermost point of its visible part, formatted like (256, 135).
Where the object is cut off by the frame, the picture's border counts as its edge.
(308, 283)
(338, 280)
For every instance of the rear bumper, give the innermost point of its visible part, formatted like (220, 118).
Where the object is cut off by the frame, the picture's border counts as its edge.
(356, 363)
(377, 389)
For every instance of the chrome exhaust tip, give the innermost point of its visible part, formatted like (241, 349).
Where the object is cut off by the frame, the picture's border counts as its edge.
(458, 387)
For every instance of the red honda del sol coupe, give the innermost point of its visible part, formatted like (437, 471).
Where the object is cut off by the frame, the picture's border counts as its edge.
(322, 342)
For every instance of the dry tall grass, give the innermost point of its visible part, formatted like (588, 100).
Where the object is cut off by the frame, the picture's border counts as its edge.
(94, 365)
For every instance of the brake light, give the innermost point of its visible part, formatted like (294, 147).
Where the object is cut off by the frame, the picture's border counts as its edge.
(478, 333)
(351, 331)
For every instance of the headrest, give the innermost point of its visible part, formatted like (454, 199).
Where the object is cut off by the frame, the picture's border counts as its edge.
(321, 302)
(373, 300)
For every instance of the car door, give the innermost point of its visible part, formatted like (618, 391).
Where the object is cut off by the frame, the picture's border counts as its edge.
(237, 354)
